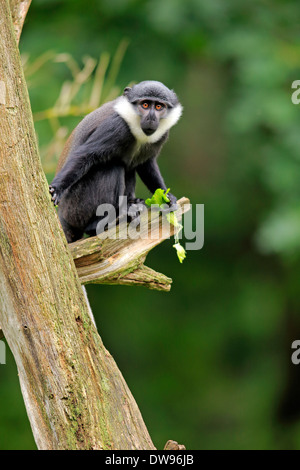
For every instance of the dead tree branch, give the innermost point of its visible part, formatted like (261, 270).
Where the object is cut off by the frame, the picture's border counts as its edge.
(119, 259)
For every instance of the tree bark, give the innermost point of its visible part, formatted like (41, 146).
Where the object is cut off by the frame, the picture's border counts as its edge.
(19, 9)
(75, 396)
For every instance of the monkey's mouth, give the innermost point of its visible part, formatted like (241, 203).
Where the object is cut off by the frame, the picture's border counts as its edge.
(149, 131)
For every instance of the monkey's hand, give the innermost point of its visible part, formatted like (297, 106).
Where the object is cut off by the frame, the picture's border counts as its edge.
(56, 194)
(171, 206)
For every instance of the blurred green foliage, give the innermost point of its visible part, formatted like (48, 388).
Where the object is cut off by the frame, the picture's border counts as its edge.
(209, 364)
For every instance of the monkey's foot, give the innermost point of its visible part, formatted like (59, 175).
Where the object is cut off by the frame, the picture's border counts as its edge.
(136, 200)
(134, 210)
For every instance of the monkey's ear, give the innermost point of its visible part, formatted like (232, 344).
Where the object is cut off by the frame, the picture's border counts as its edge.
(126, 90)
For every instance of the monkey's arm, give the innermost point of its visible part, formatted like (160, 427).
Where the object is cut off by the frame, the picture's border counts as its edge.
(150, 175)
(103, 145)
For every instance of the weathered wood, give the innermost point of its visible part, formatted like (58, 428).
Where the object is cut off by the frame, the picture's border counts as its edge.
(75, 396)
(19, 9)
(119, 259)
(173, 445)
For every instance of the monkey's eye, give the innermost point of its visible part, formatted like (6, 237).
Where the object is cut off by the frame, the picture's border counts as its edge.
(145, 105)
(159, 107)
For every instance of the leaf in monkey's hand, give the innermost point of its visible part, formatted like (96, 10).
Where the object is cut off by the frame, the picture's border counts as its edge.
(159, 198)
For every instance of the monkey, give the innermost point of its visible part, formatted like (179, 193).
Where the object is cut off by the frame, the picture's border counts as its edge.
(107, 149)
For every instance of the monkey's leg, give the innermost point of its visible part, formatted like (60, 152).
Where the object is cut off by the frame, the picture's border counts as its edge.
(110, 186)
(134, 205)
(130, 182)
(72, 233)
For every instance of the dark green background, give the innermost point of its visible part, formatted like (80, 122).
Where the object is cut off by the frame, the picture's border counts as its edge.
(208, 363)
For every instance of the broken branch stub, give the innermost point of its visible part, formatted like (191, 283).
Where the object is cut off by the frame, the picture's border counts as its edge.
(117, 255)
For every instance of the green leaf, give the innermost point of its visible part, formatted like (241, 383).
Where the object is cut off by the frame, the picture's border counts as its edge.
(181, 253)
(159, 198)
(172, 218)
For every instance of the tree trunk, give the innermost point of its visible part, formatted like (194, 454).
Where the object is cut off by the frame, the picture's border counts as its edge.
(75, 396)
(19, 9)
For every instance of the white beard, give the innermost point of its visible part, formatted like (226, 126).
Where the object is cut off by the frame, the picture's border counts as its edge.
(127, 111)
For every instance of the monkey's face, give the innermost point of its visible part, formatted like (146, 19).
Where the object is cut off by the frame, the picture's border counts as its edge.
(151, 113)
(150, 109)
